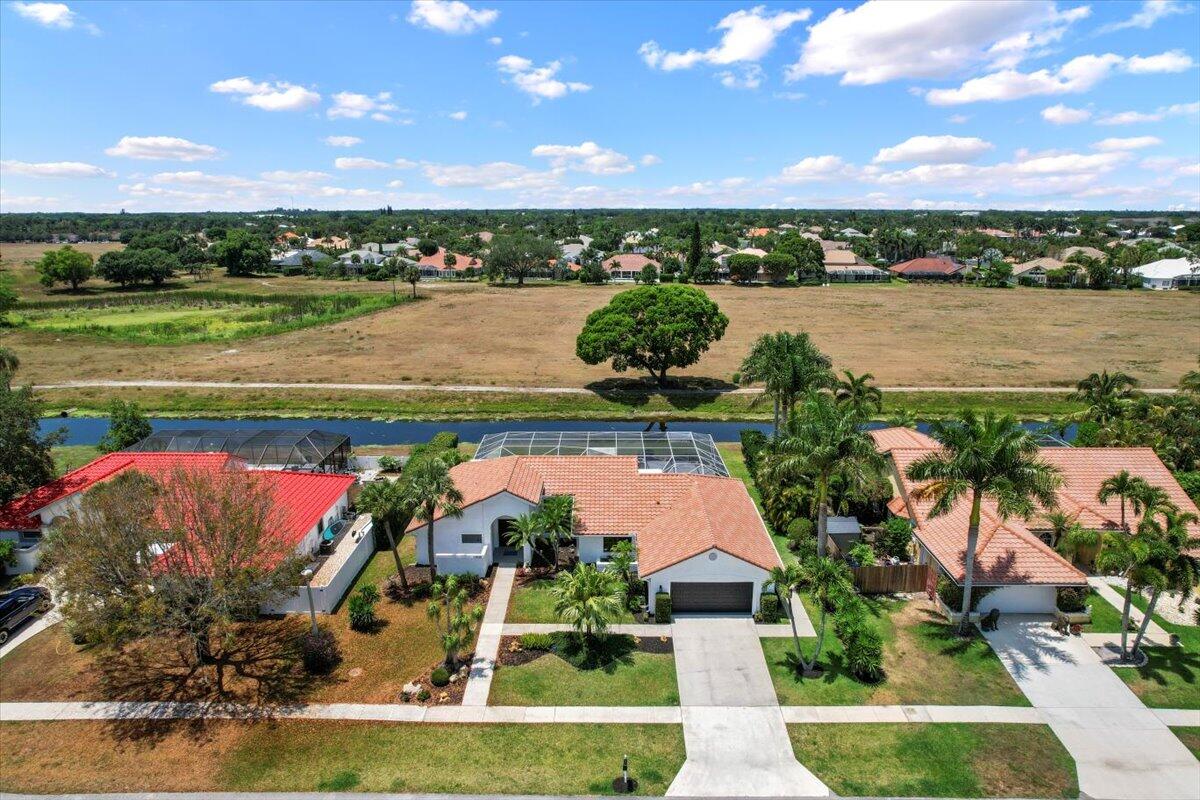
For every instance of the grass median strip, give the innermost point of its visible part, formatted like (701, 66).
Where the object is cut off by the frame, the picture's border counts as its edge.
(937, 759)
(305, 756)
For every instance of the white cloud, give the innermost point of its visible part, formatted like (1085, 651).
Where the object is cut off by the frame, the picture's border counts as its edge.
(538, 82)
(1171, 61)
(296, 176)
(404, 163)
(55, 169)
(276, 96)
(342, 141)
(1113, 145)
(747, 36)
(356, 162)
(162, 148)
(13, 203)
(1065, 115)
(1077, 75)
(882, 41)
(747, 77)
(352, 105)
(816, 168)
(1150, 12)
(458, 115)
(495, 41)
(649, 160)
(1131, 117)
(957, 119)
(491, 176)
(396, 184)
(935, 150)
(450, 16)
(586, 157)
(53, 15)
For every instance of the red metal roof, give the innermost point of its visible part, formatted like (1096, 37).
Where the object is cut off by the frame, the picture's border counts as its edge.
(673, 516)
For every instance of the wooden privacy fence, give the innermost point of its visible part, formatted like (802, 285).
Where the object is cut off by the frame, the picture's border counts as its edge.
(891, 578)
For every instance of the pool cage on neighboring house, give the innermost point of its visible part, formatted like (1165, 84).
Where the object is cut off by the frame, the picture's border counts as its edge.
(660, 451)
(264, 448)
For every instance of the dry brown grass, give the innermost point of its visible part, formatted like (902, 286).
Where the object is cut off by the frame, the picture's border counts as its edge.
(475, 334)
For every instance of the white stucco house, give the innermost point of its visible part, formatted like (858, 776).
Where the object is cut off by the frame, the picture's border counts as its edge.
(1169, 273)
(697, 533)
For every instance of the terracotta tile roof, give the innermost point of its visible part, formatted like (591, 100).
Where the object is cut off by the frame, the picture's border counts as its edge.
(888, 438)
(1045, 262)
(20, 512)
(673, 516)
(626, 261)
(926, 266)
(755, 233)
(301, 497)
(438, 261)
(1007, 553)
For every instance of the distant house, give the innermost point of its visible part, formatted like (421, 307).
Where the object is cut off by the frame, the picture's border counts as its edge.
(852, 233)
(435, 266)
(1169, 273)
(627, 266)
(1090, 252)
(929, 269)
(842, 266)
(997, 233)
(723, 258)
(295, 258)
(572, 251)
(365, 258)
(757, 233)
(1035, 270)
(330, 242)
(485, 236)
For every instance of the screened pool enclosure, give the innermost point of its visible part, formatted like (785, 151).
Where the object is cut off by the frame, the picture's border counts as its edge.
(663, 451)
(308, 449)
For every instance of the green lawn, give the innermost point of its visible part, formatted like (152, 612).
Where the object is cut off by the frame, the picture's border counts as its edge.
(72, 456)
(924, 662)
(532, 602)
(1171, 677)
(327, 756)
(732, 455)
(1190, 738)
(937, 760)
(622, 677)
(1106, 618)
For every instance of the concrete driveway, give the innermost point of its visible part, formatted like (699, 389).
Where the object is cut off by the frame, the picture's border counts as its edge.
(1122, 750)
(736, 738)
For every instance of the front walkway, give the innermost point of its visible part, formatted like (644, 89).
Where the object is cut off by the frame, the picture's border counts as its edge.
(488, 647)
(736, 737)
(1121, 748)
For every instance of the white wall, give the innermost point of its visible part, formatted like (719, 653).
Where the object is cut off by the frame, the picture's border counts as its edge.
(476, 518)
(1021, 600)
(326, 598)
(700, 568)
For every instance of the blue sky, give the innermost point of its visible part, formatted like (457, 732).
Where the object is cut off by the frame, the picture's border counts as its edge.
(432, 104)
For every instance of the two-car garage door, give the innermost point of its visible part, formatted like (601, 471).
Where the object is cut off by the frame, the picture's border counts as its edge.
(728, 597)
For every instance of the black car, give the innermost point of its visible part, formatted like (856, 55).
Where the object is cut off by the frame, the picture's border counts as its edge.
(19, 605)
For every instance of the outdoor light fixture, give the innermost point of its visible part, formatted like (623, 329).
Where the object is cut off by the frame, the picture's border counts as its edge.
(312, 608)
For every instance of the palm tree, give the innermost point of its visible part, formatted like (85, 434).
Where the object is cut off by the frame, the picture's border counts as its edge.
(588, 599)
(1171, 558)
(786, 581)
(526, 531)
(857, 392)
(788, 365)
(1060, 523)
(990, 456)
(902, 418)
(557, 514)
(429, 488)
(1105, 394)
(1189, 383)
(828, 581)
(447, 606)
(384, 501)
(824, 440)
(1125, 486)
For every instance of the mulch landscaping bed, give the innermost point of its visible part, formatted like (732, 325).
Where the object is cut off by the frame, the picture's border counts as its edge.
(449, 695)
(513, 655)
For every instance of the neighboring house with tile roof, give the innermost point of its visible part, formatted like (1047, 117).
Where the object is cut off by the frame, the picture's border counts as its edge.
(929, 269)
(310, 505)
(843, 266)
(627, 266)
(698, 537)
(1012, 556)
(435, 266)
(1035, 270)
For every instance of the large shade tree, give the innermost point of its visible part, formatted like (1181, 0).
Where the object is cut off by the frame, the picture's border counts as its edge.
(519, 255)
(64, 265)
(988, 456)
(26, 461)
(652, 328)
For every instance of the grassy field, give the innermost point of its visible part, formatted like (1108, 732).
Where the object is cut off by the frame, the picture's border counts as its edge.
(924, 662)
(476, 334)
(619, 676)
(937, 760)
(531, 602)
(301, 756)
(17, 260)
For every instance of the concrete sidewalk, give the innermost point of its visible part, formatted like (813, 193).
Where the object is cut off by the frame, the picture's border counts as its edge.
(1122, 750)
(479, 683)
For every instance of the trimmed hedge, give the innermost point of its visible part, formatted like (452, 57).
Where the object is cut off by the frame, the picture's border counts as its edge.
(753, 441)
(1072, 599)
(952, 594)
(768, 609)
(662, 608)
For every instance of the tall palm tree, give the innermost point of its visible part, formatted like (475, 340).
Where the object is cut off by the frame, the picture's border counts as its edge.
(1105, 394)
(787, 580)
(828, 581)
(1172, 558)
(384, 501)
(823, 440)
(557, 515)
(990, 456)
(788, 365)
(429, 489)
(1125, 486)
(588, 599)
(857, 392)
(526, 531)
